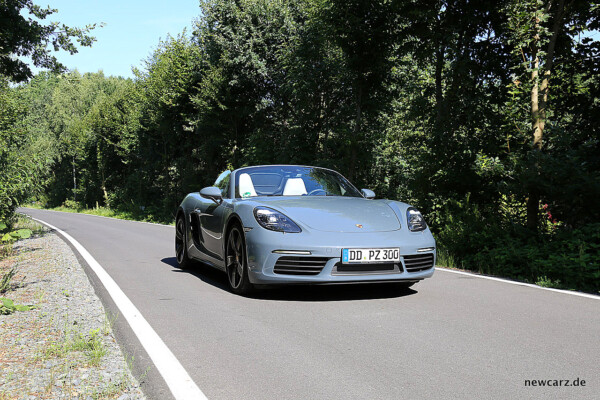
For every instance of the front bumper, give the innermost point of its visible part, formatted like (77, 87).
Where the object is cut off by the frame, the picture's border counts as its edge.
(262, 260)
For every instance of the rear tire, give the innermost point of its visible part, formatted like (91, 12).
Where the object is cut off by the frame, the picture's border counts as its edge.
(236, 262)
(181, 253)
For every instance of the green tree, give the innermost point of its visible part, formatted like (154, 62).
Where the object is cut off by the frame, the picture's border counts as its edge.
(365, 33)
(540, 33)
(166, 155)
(23, 33)
(18, 168)
(242, 98)
(114, 122)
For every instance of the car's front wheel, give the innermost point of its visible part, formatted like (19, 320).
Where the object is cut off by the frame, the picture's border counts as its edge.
(181, 244)
(237, 267)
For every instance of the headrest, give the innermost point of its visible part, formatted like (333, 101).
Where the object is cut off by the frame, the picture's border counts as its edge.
(246, 186)
(294, 187)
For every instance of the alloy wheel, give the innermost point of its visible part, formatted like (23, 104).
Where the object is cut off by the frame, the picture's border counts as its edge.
(235, 259)
(180, 241)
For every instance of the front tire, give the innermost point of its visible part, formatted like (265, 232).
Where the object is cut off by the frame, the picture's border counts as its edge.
(236, 263)
(181, 253)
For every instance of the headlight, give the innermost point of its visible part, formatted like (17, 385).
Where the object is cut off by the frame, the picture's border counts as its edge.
(275, 221)
(416, 222)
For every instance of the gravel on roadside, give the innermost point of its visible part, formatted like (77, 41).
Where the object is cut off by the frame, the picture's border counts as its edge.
(64, 348)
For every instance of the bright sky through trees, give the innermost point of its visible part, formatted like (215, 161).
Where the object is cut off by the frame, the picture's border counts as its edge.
(131, 33)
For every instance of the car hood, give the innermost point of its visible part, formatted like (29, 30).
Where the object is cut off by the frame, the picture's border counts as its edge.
(336, 214)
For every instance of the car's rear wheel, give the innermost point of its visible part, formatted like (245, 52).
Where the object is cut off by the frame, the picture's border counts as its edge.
(237, 267)
(181, 244)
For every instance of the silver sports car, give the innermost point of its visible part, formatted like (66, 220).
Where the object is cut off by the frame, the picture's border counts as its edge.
(287, 224)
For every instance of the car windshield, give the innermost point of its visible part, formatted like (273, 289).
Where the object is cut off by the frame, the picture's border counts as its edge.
(286, 180)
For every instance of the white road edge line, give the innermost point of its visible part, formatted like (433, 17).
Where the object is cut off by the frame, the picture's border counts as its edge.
(491, 278)
(102, 216)
(180, 383)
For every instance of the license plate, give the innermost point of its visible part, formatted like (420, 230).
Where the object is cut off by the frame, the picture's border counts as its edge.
(351, 256)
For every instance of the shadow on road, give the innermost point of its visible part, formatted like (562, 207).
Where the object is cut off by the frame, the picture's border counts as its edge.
(334, 292)
(201, 271)
(299, 292)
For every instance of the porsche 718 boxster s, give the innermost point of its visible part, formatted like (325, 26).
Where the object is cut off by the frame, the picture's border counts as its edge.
(289, 224)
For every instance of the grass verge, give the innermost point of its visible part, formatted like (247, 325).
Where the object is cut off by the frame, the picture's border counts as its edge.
(105, 212)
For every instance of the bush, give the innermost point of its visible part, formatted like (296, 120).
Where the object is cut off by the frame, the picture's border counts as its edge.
(72, 204)
(573, 257)
(566, 258)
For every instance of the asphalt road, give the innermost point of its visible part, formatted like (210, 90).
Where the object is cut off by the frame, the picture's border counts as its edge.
(452, 337)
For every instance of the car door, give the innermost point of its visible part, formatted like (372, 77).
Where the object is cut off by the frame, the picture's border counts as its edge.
(212, 218)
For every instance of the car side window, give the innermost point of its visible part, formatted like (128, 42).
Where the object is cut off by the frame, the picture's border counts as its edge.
(222, 183)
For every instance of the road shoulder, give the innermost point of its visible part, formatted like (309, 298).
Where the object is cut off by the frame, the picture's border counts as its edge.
(65, 346)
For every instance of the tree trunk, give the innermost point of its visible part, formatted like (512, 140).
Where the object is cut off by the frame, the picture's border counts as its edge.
(439, 96)
(534, 198)
(539, 105)
(105, 193)
(544, 87)
(440, 52)
(74, 182)
(355, 133)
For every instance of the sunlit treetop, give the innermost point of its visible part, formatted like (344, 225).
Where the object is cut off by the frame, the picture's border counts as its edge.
(25, 33)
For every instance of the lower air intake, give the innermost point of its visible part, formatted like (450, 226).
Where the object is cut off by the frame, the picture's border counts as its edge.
(359, 269)
(418, 262)
(300, 265)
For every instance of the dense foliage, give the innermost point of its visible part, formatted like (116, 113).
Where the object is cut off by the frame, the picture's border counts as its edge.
(24, 33)
(485, 115)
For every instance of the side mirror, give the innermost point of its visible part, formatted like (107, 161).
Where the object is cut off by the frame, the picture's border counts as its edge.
(213, 193)
(368, 194)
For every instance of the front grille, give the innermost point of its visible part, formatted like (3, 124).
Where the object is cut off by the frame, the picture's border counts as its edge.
(300, 265)
(381, 268)
(418, 262)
